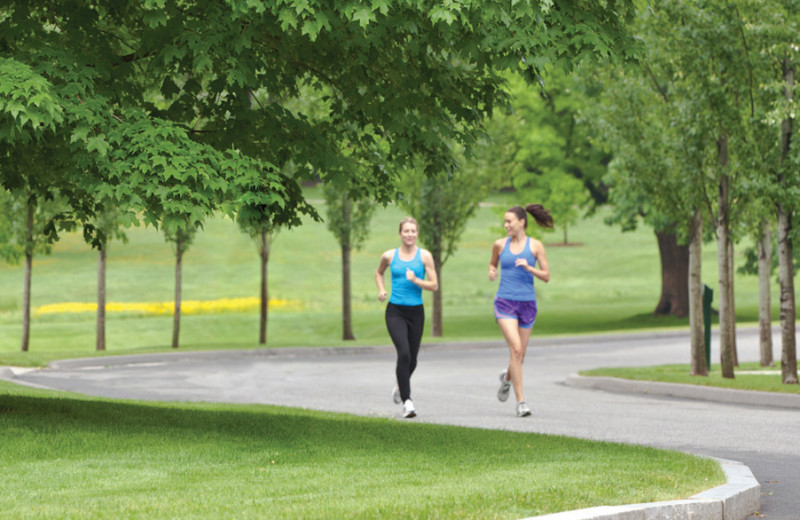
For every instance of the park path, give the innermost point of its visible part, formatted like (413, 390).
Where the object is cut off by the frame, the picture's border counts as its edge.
(456, 384)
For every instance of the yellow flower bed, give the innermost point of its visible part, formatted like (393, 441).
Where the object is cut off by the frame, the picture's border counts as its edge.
(162, 308)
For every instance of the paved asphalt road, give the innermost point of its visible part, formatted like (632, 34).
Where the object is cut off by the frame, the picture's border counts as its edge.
(456, 384)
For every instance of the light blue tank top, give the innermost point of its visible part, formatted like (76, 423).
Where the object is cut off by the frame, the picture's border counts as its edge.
(405, 292)
(516, 283)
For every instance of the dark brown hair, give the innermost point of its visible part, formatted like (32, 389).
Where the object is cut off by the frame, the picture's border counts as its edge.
(537, 211)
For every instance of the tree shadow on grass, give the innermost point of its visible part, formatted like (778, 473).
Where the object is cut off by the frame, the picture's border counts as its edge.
(74, 422)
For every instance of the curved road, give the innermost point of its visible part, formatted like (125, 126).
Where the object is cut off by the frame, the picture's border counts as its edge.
(456, 384)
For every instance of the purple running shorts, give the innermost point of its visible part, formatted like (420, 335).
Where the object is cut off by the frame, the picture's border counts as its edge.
(523, 312)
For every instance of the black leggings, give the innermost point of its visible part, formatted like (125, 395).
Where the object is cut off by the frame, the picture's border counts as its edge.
(405, 324)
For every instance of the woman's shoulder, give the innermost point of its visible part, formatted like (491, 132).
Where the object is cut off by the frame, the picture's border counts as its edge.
(536, 245)
(388, 254)
(500, 243)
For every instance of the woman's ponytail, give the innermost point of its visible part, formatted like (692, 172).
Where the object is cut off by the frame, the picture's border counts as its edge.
(541, 215)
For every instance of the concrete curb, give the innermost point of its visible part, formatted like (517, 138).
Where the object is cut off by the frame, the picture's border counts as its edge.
(696, 392)
(8, 373)
(736, 500)
(309, 352)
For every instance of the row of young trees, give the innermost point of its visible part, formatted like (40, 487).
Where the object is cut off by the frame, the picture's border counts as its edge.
(702, 139)
(442, 206)
(697, 137)
(168, 111)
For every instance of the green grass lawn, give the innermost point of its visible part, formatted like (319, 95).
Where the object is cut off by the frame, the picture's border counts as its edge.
(68, 456)
(748, 376)
(605, 280)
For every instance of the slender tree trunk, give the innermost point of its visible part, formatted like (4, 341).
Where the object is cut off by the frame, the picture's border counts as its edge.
(786, 276)
(264, 250)
(100, 343)
(346, 247)
(437, 328)
(764, 298)
(696, 323)
(732, 303)
(674, 275)
(786, 250)
(723, 236)
(347, 315)
(176, 318)
(26, 289)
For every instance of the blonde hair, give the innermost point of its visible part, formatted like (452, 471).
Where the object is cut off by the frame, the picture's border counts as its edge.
(408, 220)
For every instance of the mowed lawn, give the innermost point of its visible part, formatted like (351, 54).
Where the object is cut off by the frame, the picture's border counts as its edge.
(603, 280)
(67, 456)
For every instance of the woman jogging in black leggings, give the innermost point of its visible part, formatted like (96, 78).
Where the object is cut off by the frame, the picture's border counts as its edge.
(405, 316)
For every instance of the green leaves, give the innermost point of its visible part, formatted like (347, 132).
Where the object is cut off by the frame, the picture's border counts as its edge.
(347, 219)
(149, 99)
(443, 203)
(28, 106)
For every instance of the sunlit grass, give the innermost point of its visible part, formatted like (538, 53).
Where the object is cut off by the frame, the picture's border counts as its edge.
(66, 456)
(748, 376)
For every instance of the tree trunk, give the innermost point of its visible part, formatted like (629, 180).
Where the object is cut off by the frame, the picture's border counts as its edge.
(100, 343)
(262, 332)
(723, 236)
(764, 309)
(732, 303)
(786, 276)
(785, 251)
(347, 314)
(176, 318)
(26, 288)
(696, 322)
(436, 323)
(674, 275)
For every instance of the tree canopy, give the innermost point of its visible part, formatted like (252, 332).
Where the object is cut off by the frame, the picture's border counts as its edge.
(201, 89)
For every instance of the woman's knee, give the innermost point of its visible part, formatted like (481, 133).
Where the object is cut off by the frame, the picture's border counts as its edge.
(517, 353)
(404, 357)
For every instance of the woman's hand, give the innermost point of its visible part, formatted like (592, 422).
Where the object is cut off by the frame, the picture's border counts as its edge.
(410, 276)
(492, 273)
(382, 296)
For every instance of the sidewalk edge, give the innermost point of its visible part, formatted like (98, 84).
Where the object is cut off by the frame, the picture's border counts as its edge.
(685, 391)
(736, 500)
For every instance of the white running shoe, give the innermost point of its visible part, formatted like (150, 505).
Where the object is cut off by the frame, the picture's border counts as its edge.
(396, 396)
(522, 409)
(408, 410)
(505, 387)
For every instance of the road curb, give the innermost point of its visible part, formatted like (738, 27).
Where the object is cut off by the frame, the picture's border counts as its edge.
(736, 500)
(311, 352)
(695, 392)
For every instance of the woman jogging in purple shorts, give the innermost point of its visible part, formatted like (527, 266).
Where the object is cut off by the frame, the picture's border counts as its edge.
(405, 317)
(515, 303)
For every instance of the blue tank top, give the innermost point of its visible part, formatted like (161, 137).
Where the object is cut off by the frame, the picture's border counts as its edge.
(516, 283)
(405, 292)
